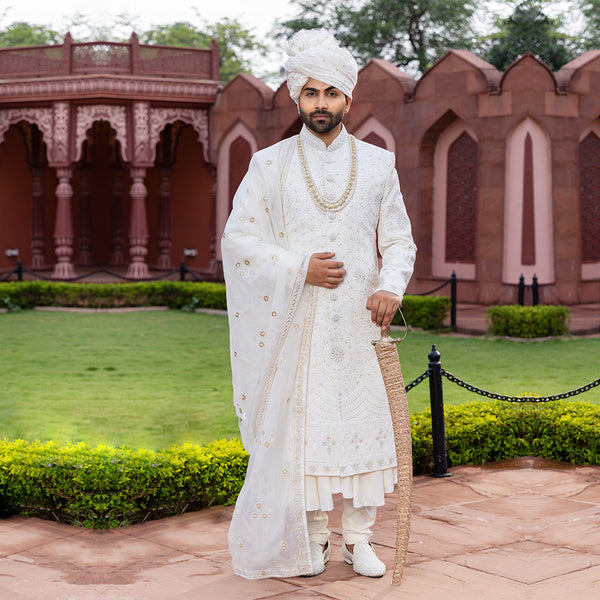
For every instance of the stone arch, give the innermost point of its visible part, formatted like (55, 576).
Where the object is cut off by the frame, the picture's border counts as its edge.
(528, 240)
(589, 200)
(86, 116)
(373, 126)
(42, 117)
(197, 118)
(224, 192)
(455, 202)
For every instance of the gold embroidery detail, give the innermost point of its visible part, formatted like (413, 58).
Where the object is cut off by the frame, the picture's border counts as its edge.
(261, 344)
(237, 314)
(265, 515)
(262, 334)
(254, 516)
(246, 262)
(284, 471)
(283, 545)
(266, 298)
(251, 219)
(259, 505)
(238, 265)
(267, 444)
(273, 314)
(265, 198)
(267, 209)
(269, 162)
(321, 203)
(281, 234)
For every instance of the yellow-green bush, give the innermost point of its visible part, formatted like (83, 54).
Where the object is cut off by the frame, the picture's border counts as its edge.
(103, 487)
(528, 321)
(426, 312)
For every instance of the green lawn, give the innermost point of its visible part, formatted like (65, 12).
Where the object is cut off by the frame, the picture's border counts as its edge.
(153, 379)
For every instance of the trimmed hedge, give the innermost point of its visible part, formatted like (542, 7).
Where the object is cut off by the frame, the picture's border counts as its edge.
(426, 312)
(103, 487)
(174, 294)
(528, 321)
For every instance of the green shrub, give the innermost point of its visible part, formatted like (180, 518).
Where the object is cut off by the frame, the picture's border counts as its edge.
(528, 321)
(426, 312)
(174, 294)
(103, 487)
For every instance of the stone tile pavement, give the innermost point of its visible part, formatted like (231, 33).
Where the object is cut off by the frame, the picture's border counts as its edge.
(522, 529)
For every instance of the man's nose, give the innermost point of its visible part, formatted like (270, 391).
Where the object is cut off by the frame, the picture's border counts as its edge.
(321, 102)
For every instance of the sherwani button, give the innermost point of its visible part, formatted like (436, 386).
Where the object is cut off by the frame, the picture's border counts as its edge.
(331, 216)
(332, 236)
(336, 317)
(334, 297)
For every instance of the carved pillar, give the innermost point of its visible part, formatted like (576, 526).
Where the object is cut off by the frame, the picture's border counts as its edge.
(63, 227)
(85, 219)
(138, 226)
(116, 220)
(38, 260)
(164, 220)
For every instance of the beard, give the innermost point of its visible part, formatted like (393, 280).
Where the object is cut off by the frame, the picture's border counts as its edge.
(324, 126)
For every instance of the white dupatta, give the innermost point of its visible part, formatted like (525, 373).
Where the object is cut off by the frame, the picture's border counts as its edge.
(269, 318)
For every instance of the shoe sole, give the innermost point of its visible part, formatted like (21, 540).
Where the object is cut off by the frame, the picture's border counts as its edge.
(349, 562)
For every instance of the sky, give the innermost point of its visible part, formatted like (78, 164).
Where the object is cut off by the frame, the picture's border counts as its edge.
(259, 15)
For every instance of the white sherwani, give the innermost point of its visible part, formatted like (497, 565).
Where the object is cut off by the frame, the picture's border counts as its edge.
(313, 411)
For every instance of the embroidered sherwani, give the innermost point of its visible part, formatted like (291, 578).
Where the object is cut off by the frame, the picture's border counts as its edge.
(313, 411)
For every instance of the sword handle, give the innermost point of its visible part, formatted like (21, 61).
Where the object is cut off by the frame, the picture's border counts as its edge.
(386, 338)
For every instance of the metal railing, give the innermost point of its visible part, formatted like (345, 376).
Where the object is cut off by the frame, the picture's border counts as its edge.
(435, 372)
(453, 297)
(183, 271)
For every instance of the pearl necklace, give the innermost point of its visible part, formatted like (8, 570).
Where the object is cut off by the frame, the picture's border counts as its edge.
(322, 204)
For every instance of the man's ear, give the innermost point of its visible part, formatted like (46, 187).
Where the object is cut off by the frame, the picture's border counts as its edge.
(348, 104)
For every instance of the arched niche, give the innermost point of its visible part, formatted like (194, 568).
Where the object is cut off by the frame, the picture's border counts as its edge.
(589, 201)
(375, 132)
(455, 202)
(528, 239)
(235, 151)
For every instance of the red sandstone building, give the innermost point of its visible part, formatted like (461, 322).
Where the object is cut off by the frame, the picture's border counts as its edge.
(124, 154)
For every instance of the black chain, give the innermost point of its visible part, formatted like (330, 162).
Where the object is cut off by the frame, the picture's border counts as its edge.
(480, 392)
(418, 380)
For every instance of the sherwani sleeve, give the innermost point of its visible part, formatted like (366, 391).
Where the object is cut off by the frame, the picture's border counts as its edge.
(394, 237)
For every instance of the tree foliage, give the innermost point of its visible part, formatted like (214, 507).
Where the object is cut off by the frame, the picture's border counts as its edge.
(28, 34)
(591, 18)
(529, 29)
(237, 45)
(411, 34)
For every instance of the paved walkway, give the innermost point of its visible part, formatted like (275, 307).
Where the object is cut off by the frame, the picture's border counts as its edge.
(522, 529)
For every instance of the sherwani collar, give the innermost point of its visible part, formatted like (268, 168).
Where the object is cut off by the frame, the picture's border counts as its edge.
(315, 143)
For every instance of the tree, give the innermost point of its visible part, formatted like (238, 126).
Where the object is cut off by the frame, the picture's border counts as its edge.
(411, 34)
(529, 29)
(237, 46)
(591, 16)
(27, 34)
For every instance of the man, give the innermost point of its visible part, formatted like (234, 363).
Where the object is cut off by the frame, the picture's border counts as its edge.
(305, 299)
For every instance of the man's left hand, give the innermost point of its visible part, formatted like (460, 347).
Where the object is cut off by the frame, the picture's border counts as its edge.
(383, 306)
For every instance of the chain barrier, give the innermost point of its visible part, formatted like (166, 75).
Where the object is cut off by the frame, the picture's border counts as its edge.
(418, 380)
(182, 270)
(535, 399)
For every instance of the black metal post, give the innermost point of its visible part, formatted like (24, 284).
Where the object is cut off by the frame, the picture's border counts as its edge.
(182, 270)
(521, 299)
(453, 301)
(536, 291)
(20, 270)
(438, 429)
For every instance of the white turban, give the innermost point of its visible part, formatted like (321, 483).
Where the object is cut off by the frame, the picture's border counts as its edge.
(316, 54)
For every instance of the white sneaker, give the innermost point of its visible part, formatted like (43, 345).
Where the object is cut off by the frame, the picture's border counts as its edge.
(363, 560)
(319, 557)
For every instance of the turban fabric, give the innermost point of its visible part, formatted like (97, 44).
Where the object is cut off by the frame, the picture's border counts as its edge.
(316, 54)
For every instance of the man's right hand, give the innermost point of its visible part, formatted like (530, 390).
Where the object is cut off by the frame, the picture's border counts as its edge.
(324, 272)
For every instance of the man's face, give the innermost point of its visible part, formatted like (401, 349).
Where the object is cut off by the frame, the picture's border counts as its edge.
(321, 106)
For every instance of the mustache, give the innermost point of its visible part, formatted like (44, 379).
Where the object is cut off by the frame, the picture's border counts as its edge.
(321, 113)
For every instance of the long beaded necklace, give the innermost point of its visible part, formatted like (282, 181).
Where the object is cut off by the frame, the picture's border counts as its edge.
(321, 203)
